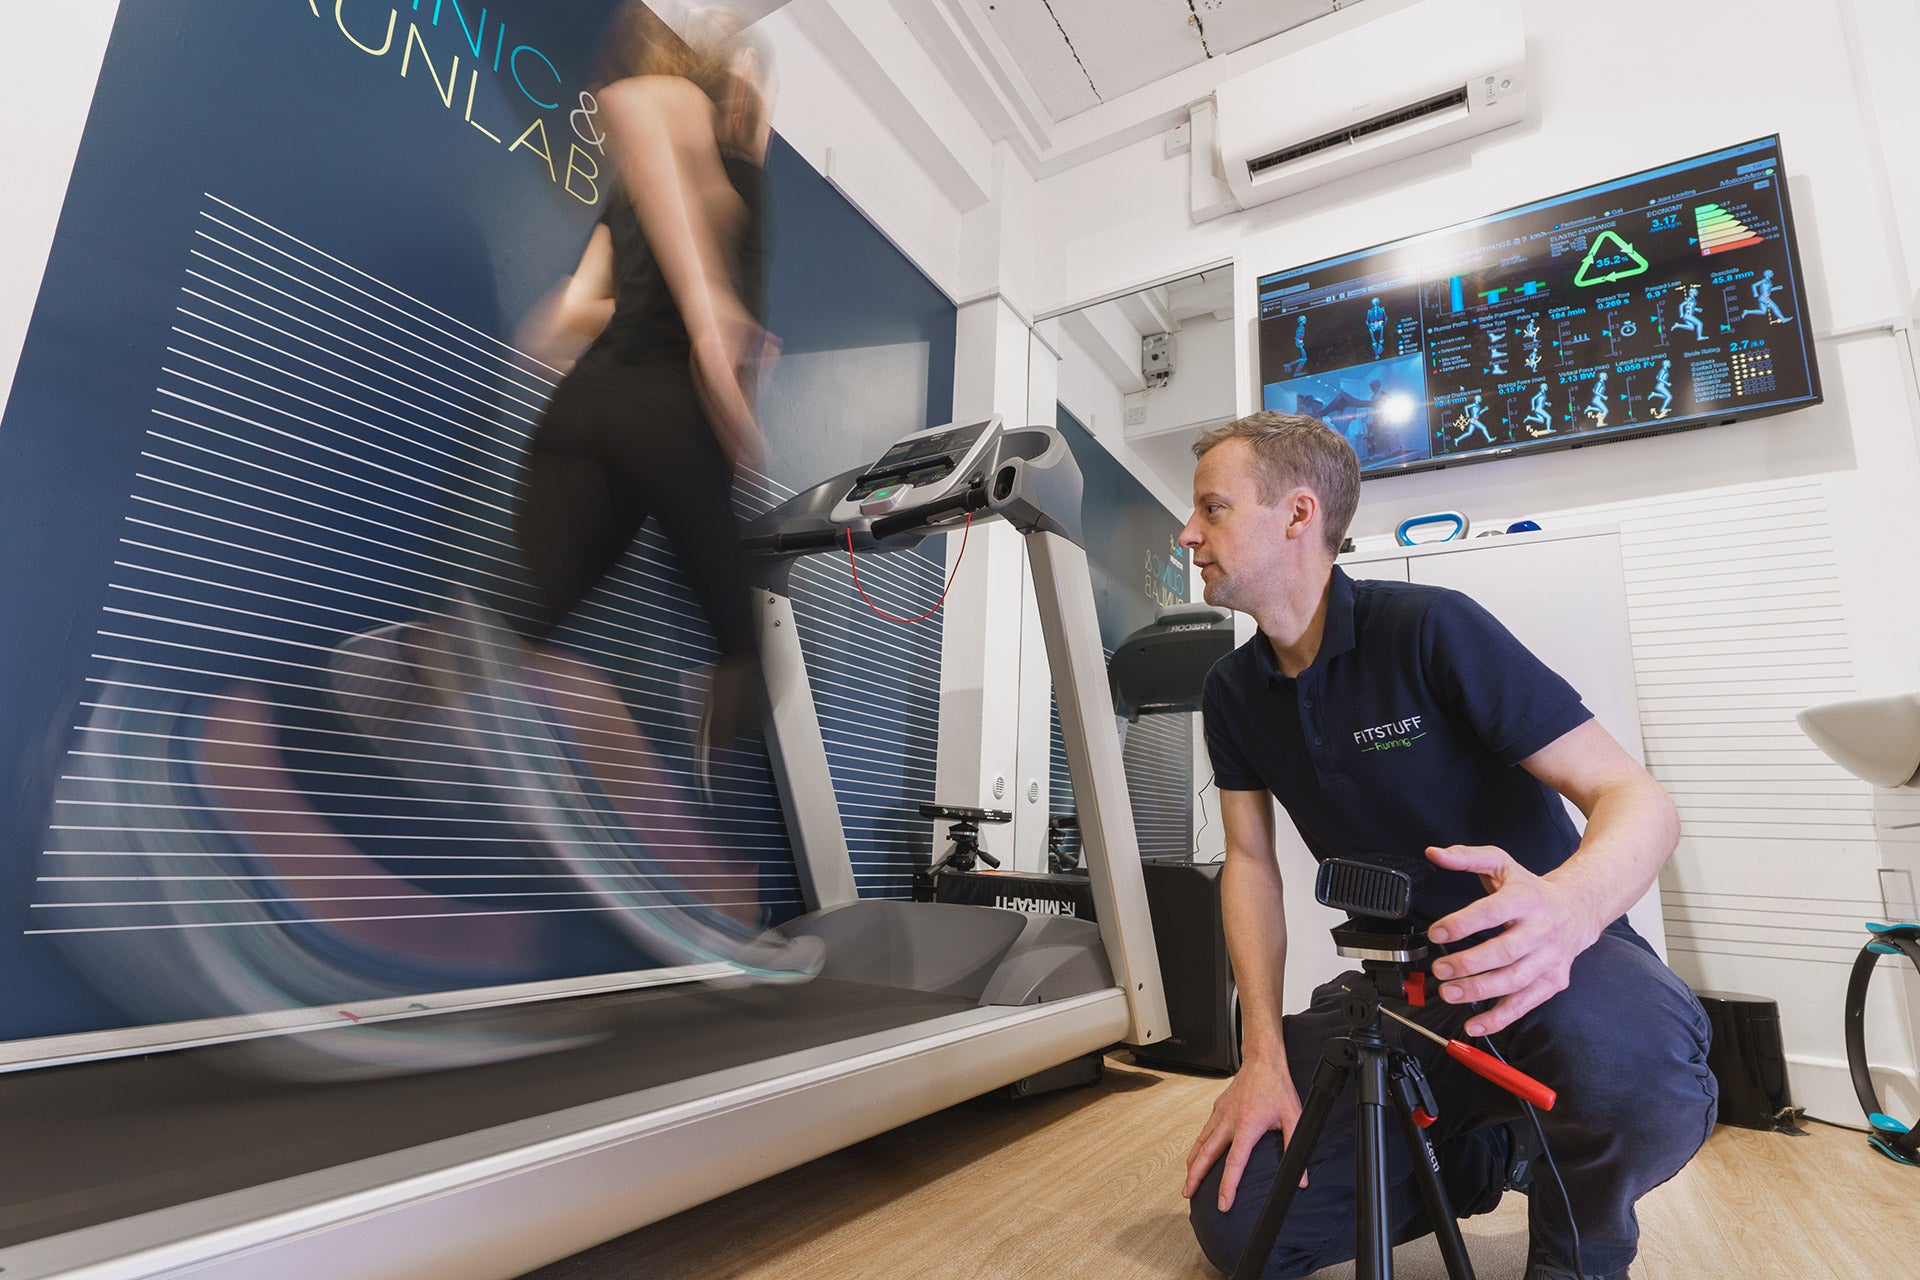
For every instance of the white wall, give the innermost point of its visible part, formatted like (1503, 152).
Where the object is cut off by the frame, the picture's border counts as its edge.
(1767, 882)
(826, 118)
(1198, 395)
(1087, 389)
(48, 95)
(1882, 36)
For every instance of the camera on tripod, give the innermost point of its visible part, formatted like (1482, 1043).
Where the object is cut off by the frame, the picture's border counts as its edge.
(1377, 900)
(963, 849)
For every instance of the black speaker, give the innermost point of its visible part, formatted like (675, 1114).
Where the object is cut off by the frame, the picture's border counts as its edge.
(1203, 1004)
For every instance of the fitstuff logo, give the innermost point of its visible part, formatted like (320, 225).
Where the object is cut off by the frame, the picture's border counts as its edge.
(1391, 736)
(437, 49)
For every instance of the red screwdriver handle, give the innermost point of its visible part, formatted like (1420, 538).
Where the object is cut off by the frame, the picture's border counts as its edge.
(1514, 1081)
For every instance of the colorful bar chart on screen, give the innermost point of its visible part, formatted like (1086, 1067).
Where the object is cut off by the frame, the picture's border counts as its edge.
(1720, 231)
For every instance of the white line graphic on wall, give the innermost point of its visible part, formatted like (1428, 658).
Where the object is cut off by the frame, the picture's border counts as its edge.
(327, 453)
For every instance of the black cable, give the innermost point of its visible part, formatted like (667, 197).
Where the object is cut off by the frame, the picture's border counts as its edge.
(1579, 1267)
(1546, 1151)
(1201, 796)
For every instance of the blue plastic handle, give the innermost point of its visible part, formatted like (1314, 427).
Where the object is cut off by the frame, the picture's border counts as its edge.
(1454, 518)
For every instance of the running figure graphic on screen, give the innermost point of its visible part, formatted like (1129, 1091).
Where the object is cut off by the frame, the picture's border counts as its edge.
(1597, 402)
(1663, 389)
(1470, 420)
(1294, 367)
(1377, 328)
(1763, 290)
(1690, 314)
(1537, 415)
(1358, 428)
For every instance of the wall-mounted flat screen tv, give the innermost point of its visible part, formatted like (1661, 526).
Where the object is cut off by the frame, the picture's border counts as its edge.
(1658, 302)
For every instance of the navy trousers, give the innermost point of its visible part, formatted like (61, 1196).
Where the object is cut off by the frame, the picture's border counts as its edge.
(1625, 1045)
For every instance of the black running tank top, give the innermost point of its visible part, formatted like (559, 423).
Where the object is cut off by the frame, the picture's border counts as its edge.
(646, 328)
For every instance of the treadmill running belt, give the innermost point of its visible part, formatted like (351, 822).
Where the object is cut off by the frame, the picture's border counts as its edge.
(100, 1141)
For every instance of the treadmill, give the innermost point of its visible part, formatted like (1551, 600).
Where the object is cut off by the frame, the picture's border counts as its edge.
(652, 1100)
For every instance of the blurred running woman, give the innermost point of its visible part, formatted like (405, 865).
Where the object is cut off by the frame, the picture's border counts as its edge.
(658, 412)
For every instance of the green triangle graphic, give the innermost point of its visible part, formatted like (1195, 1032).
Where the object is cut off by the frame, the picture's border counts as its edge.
(1621, 271)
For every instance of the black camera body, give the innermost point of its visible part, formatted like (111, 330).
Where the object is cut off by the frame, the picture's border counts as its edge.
(1377, 900)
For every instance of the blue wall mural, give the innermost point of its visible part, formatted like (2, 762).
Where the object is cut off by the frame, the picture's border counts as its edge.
(267, 405)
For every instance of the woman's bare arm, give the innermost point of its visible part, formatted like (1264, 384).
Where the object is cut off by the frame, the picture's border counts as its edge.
(662, 132)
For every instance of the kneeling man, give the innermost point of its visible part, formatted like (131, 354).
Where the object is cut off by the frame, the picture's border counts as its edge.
(1403, 725)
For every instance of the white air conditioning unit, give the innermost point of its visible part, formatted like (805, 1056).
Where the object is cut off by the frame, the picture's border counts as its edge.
(1411, 79)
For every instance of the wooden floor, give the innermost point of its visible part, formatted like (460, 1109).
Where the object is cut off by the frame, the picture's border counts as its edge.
(1087, 1184)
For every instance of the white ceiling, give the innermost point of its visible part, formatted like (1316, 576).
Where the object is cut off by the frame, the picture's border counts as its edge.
(1078, 54)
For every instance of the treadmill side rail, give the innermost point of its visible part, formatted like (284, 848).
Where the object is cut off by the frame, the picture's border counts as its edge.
(1065, 589)
(798, 756)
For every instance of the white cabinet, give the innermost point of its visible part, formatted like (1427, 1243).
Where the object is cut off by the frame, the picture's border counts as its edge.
(1563, 594)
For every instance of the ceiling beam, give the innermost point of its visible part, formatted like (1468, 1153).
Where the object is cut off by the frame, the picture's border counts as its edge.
(877, 54)
(982, 70)
(1148, 312)
(1111, 341)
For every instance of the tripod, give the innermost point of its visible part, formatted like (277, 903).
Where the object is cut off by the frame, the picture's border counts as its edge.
(963, 852)
(1390, 1078)
(1390, 960)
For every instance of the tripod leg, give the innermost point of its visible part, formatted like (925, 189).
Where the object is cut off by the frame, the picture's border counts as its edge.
(1426, 1173)
(1373, 1233)
(1328, 1080)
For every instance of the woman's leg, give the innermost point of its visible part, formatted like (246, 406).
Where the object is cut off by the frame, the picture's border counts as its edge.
(573, 524)
(579, 514)
(684, 478)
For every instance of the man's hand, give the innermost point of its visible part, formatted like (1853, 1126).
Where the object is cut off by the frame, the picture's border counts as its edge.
(1545, 926)
(1261, 1098)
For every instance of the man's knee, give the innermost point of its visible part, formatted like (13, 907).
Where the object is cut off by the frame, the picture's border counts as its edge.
(1643, 1079)
(1223, 1236)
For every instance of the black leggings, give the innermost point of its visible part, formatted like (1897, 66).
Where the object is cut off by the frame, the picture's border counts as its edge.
(612, 449)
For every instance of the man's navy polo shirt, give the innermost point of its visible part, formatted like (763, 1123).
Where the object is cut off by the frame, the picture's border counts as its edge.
(1406, 731)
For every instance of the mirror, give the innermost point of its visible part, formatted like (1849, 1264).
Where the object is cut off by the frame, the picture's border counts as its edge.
(1131, 381)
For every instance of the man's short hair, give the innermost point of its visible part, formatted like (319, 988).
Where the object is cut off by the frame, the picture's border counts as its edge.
(1292, 450)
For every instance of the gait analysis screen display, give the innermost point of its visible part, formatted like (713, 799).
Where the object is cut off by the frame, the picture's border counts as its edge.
(1668, 299)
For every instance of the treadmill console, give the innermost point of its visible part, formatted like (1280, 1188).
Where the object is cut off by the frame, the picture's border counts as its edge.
(918, 470)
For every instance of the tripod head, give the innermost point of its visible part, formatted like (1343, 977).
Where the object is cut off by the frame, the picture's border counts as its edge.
(1392, 961)
(963, 849)
(965, 835)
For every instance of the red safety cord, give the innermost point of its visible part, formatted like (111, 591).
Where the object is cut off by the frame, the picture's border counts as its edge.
(943, 591)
